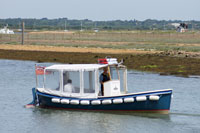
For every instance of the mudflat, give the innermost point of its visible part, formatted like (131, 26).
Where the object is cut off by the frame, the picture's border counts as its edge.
(173, 63)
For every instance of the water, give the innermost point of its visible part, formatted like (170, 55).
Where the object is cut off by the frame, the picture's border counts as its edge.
(18, 77)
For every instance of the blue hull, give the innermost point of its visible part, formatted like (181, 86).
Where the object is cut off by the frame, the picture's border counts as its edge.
(161, 105)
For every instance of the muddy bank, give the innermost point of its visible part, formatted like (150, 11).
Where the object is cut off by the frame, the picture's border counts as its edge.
(153, 62)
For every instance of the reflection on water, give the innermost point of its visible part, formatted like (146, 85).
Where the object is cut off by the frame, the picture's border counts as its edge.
(17, 79)
(97, 122)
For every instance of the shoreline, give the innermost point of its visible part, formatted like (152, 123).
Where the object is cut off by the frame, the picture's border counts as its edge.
(165, 63)
(46, 48)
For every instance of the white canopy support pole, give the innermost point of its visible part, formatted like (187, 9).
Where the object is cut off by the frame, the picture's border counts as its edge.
(97, 81)
(81, 82)
(61, 81)
(125, 81)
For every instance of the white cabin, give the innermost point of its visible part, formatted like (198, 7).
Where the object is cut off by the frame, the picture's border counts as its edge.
(84, 80)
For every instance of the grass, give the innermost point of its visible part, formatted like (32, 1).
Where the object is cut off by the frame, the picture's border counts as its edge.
(180, 71)
(144, 40)
(149, 66)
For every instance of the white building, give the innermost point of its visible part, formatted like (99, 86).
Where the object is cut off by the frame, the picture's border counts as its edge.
(5, 30)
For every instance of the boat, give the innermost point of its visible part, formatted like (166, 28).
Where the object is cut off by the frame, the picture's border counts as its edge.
(86, 93)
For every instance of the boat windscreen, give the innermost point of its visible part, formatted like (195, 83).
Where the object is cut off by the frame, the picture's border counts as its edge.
(52, 80)
(118, 74)
(89, 81)
(114, 73)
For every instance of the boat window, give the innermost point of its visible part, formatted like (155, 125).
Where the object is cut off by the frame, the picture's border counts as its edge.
(89, 81)
(114, 73)
(52, 80)
(71, 81)
(121, 73)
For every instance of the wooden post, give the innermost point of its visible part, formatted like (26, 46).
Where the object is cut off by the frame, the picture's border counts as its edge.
(10, 37)
(22, 33)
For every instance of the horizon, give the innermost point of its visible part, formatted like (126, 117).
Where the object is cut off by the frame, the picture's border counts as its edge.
(97, 20)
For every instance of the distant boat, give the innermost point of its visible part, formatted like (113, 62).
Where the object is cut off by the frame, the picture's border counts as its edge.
(5, 30)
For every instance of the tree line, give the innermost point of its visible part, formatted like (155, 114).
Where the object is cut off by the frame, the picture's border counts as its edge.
(86, 24)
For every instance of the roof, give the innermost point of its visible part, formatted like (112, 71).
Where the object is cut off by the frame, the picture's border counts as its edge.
(76, 67)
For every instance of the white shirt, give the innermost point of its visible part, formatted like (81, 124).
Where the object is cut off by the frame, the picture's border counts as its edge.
(69, 88)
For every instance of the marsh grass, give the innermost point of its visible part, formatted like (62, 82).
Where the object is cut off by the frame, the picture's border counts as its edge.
(149, 66)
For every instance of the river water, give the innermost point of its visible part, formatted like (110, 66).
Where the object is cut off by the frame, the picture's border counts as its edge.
(18, 77)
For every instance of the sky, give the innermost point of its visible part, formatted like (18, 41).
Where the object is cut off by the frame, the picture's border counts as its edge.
(102, 10)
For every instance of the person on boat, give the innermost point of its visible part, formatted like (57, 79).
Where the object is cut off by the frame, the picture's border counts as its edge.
(69, 87)
(103, 78)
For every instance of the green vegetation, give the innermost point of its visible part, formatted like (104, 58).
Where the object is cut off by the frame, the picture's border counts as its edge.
(149, 66)
(180, 71)
(62, 23)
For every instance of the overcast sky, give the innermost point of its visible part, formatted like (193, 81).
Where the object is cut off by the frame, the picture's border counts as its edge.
(102, 9)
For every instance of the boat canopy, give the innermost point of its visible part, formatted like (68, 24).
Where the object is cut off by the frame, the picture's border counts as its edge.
(77, 67)
(82, 80)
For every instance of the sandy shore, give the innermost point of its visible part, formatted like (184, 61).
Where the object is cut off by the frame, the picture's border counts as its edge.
(74, 49)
